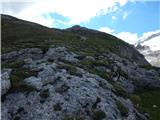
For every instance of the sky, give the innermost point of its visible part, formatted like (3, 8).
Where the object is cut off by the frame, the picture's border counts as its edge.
(130, 20)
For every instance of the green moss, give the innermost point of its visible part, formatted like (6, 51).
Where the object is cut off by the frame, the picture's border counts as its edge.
(14, 64)
(101, 63)
(90, 67)
(17, 78)
(18, 75)
(120, 91)
(122, 73)
(98, 114)
(135, 99)
(123, 110)
(70, 68)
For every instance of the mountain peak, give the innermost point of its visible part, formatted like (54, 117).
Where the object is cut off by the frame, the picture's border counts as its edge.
(75, 28)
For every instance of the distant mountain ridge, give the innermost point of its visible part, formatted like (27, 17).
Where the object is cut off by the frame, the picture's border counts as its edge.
(150, 48)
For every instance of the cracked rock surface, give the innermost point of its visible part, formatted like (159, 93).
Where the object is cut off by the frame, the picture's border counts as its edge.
(64, 91)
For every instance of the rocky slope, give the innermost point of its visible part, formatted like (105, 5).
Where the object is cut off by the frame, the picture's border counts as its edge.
(73, 74)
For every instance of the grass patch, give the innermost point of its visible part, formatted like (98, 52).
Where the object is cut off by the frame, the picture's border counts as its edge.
(15, 64)
(120, 91)
(89, 65)
(70, 68)
(148, 102)
(135, 99)
(18, 75)
(123, 110)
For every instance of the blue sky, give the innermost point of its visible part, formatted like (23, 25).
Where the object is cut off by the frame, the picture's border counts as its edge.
(127, 19)
(140, 17)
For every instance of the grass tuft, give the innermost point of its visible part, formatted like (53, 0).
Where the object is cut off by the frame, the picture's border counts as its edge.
(123, 110)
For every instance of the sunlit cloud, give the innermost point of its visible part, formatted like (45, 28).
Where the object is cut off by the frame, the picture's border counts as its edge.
(133, 38)
(113, 17)
(106, 30)
(77, 11)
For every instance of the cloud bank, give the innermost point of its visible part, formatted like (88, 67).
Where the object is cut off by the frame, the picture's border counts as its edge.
(133, 38)
(76, 11)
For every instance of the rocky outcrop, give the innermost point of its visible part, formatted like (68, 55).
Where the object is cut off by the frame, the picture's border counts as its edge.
(62, 54)
(64, 91)
(33, 53)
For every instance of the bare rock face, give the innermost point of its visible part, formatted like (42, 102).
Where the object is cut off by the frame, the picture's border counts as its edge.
(34, 53)
(65, 96)
(5, 81)
(61, 53)
(64, 91)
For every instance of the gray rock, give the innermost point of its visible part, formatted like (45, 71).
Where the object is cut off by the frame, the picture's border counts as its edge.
(60, 94)
(103, 69)
(90, 58)
(5, 80)
(36, 82)
(8, 56)
(60, 53)
(129, 85)
(34, 53)
(73, 94)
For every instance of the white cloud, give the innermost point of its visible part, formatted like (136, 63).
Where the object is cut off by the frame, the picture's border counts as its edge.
(113, 17)
(106, 29)
(147, 34)
(154, 43)
(125, 15)
(76, 11)
(131, 38)
(122, 2)
(128, 37)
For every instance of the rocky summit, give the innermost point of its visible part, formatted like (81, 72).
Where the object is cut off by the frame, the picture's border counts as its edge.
(73, 74)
